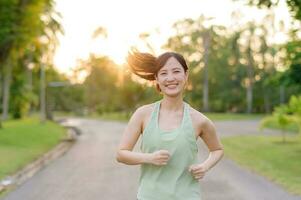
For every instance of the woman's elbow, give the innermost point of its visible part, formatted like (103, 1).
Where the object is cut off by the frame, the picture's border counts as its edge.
(221, 153)
(118, 156)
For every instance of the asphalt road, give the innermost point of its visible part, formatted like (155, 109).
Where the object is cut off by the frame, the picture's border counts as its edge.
(89, 170)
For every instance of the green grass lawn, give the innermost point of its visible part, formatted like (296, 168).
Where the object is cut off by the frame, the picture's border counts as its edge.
(22, 141)
(268, 156)
(233, 116)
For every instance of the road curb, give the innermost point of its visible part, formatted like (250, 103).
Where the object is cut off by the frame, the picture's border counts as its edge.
(32, 168)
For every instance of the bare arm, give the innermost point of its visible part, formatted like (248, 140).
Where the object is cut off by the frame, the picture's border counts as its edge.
(213, 143)
(125, 153)
(209, 136)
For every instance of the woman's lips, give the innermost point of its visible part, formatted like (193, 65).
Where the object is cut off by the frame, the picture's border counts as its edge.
(171, 86)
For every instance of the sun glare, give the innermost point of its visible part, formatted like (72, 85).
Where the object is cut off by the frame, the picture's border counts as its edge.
(124, 23)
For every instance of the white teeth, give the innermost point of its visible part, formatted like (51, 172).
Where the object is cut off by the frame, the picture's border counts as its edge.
(172, 85)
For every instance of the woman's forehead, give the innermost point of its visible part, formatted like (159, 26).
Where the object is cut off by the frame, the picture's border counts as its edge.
(172, 63)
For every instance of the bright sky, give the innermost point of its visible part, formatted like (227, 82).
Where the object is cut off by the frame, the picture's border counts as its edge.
(126, 19)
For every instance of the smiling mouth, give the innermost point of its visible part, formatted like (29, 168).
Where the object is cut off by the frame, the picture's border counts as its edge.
(171, 86)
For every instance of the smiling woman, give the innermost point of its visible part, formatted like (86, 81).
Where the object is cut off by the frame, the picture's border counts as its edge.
(169, 128)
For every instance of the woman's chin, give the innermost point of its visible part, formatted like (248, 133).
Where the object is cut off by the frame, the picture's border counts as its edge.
(172, 93)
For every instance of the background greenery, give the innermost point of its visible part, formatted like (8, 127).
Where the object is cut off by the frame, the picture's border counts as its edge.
(236, 69)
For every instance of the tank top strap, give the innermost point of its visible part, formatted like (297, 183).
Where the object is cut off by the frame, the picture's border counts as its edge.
(154, 114)
(186, 117)
(156, 110)
(187, 122)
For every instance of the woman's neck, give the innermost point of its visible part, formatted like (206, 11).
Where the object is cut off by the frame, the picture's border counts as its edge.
(172, 104)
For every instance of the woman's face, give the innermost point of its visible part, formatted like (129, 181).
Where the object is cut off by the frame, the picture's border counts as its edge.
(172, 77)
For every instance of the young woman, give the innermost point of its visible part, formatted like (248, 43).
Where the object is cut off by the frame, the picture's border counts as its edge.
(170, 127)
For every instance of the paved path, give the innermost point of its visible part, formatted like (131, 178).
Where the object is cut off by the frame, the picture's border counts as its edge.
(89, 171)
(242, 127)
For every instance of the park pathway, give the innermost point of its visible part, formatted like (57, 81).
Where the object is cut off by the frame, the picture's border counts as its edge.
(89, 171)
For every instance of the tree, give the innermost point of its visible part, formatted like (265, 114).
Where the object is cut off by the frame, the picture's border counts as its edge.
(100, 84)
(194, 40)
(250, 67)
(293, 74)
(285, 115)
(26, 25)
(281, 118)
(294, 5)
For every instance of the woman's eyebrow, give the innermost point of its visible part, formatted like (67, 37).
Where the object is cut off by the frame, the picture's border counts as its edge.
(162, 70)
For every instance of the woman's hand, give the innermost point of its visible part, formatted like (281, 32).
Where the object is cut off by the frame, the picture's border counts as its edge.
(159, 157)
(198, 171)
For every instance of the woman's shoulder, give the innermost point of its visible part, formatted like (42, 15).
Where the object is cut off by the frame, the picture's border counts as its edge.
(198, 117)
(145, 109)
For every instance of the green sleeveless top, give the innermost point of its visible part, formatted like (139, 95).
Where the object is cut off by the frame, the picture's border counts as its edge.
(172, 181)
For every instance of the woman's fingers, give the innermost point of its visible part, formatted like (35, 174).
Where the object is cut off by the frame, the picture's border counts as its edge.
(161, 157)
(197, 171)
(199, 175)
(164, 153)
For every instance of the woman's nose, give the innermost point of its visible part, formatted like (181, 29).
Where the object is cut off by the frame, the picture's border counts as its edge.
(170, 76)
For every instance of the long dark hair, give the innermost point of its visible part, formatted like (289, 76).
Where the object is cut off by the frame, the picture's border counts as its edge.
(147, 65)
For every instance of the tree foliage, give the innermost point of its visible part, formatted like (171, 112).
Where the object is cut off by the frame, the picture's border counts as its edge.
(294, 5)
(28, 36)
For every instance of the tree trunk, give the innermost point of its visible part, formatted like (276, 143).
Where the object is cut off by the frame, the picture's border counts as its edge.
(30, 86)
(249, 98)
(42, 94)
(250, 75)
(206, 39)
(6, 89)
(282, 94)
(49, 104)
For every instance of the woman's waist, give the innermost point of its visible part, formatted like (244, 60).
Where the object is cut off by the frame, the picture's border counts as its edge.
(169, 187)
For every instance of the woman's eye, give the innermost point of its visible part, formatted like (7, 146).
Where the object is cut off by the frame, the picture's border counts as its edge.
(163, 73)
(177, 71)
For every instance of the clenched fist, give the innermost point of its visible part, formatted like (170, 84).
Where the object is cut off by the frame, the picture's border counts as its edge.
(159, 157)
(198, 171)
